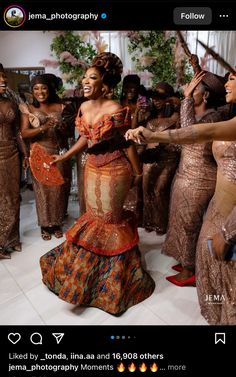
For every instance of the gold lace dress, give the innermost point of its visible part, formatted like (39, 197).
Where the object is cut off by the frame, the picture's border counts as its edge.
(192, 189)
(216, 281)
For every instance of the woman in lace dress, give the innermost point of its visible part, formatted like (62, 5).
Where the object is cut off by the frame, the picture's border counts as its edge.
(134, 95)
(215, 274)
(9, 173)
(194, 182)
(160, 160)
(99, 264)
(42, 122)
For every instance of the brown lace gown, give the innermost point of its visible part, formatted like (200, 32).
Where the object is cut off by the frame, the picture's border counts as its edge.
(51, 202)
(157, 177)
(134, 200)
(9, 178)
(69, 114)
(193, 187)
(216, 281)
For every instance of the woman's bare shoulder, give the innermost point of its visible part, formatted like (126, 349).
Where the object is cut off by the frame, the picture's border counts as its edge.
(112, 106)
(85, 106)
(108, 106)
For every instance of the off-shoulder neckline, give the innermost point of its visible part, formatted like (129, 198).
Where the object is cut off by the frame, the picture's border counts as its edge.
(37, 110)
(102, 116)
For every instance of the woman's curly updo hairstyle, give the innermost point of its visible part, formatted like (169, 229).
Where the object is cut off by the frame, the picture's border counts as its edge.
(110, 67)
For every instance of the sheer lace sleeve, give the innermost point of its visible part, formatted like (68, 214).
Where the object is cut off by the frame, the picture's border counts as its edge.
(188, 135)
(187, 113)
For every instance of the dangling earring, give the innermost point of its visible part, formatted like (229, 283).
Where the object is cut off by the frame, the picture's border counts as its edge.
(104, 92)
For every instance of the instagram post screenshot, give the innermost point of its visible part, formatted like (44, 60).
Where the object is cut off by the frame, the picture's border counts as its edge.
(117, 188)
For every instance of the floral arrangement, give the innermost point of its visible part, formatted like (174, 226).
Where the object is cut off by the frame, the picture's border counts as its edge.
(73, 52)
(158, 53)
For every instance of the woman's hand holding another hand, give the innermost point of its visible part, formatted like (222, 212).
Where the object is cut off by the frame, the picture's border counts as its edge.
(139, 135)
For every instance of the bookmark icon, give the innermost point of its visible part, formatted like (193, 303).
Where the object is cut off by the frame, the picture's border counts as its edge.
(58, 336)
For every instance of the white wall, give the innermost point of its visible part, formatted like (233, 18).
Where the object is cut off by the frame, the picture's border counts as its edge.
(222, 42)
(25, 48)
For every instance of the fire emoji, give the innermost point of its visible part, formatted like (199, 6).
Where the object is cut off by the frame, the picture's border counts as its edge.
(121, 367)
(154, 367)
(142, 367)
(132, 367)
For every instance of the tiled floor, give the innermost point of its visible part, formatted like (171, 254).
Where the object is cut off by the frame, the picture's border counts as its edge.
(24, 300)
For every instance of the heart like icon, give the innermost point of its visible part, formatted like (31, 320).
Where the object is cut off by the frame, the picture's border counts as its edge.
(14, 337)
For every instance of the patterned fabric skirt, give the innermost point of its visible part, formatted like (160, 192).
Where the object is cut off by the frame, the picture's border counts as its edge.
(81, 277)
(100, 264)
(216, 280)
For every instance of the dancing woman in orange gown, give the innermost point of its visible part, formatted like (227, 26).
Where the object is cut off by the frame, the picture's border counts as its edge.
(99, 264)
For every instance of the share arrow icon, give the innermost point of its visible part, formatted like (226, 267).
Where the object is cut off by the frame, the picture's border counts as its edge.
(58, 336)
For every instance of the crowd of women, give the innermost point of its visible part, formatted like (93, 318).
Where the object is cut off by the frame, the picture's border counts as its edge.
(150, 160)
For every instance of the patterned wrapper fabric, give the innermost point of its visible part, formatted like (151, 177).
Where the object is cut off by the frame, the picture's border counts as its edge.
(99, 264)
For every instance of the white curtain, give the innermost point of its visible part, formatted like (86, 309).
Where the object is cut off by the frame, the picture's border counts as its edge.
(222, 42)
(118, 44)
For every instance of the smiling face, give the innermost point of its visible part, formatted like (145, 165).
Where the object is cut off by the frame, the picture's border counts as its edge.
(230, 88)
(3, 82)
(40, 92)
(92, 84)
(130, 91)
(158, 102)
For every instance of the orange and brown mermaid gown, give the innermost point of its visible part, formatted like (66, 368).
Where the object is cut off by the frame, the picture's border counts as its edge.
(99, 264)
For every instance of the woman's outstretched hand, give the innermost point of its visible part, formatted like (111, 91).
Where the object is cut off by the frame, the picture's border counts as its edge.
(139, 135)
(56, 158)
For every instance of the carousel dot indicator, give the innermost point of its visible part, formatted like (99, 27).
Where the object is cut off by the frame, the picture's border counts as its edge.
(103, 16)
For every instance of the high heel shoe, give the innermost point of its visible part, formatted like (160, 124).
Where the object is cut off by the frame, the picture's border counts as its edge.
(46, 236)
(191, 281)
(4, 255)
(17, 248)
(57, 231)
(178, 267)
